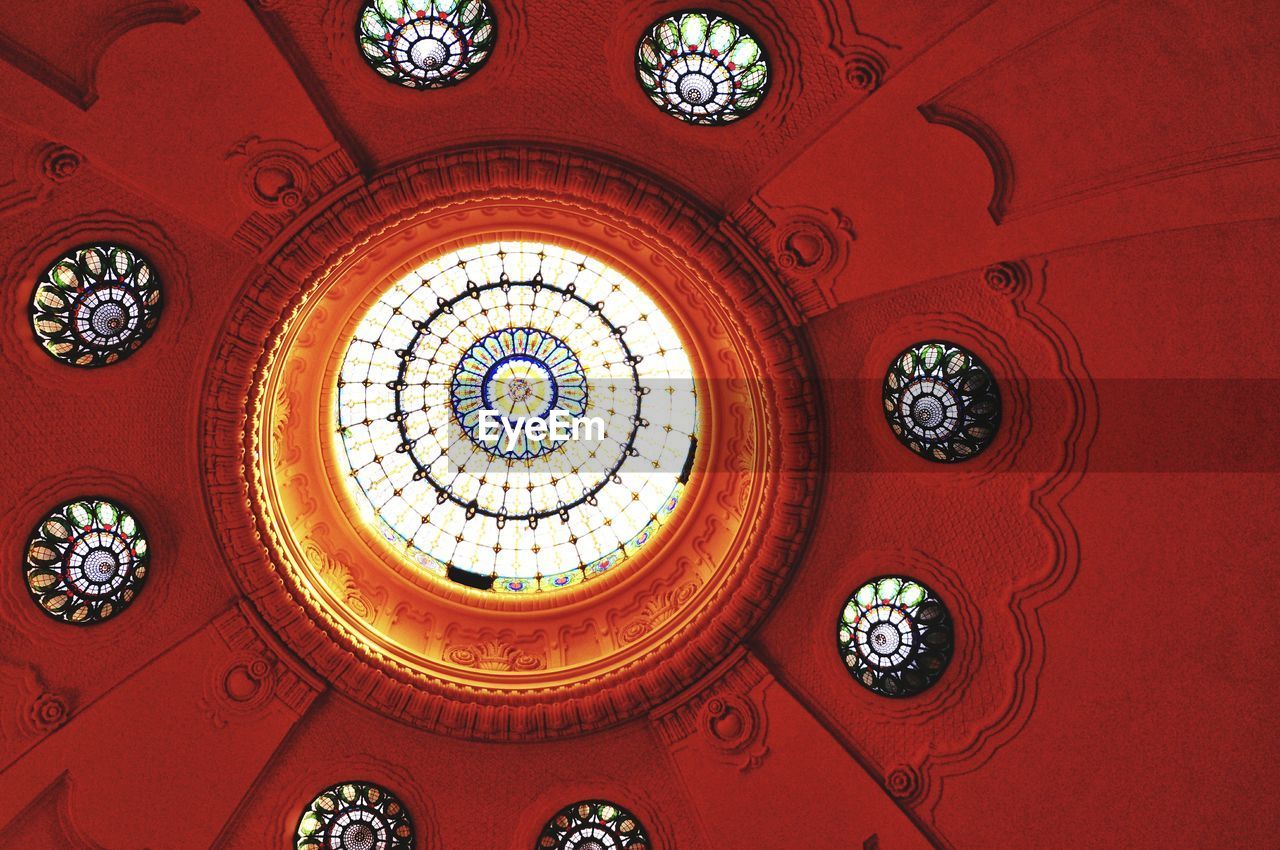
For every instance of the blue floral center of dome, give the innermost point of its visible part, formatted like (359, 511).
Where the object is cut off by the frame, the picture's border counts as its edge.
(513, 375)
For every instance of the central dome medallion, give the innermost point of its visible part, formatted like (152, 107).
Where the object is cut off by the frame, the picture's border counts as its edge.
(516, 417)
(530, 443)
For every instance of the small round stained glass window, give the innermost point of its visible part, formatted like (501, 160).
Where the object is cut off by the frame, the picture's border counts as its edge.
(517, 417)
(86, 561)
(96, 305)
(593, 825)
(942, 402)
(895, 636)
(702, 68)
(427, 44)
(355, 816)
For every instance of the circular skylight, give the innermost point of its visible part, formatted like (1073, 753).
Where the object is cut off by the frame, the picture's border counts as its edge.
(426, 44)
(941, 402)
(593, 825)
(516, 417)
(96, 305)
(86, 561)
(702, 68)
(355, 816)
(895, 636)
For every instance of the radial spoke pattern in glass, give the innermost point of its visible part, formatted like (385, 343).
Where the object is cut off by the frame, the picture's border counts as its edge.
(355, 816)
(95, 305)
(895, 636)
(426, 44)
(86, 561)
(593, 825)
(702, 68)
(941, 402)
(512, 331)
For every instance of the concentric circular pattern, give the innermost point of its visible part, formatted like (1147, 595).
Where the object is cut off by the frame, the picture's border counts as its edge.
(86, 561)
(442, 374)
(941, 402)
(517, 373)
(895, 636)
(702, 68)
(96, 305)
(593, 825)
(355, 816)
(426, 44)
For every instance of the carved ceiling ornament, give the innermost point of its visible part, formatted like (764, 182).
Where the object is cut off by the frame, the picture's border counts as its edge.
(454, 659)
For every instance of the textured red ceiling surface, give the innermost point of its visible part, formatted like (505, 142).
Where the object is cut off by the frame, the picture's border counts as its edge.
(1085, 192)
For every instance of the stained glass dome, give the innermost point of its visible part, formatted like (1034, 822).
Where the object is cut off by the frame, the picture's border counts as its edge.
(95, 305)
(702, 68)
(895, 636)
(86, 561)
(941, 402)
(593, 825)
(426, 44)
(355, 816)
(448, 395)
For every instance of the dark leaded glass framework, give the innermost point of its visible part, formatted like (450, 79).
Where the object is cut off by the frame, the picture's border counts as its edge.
(895, 636)
(426, 44)
(593, 825)
(96, 305)
(449, 362)
(702, 68)
(86, 561)
(355, 816)
(941, 402)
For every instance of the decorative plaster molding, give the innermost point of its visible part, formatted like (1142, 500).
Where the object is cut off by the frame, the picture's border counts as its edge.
(33, 710)
(73, 74)
(256, 672)
(988, 141)
(810, 249)
(725, 711)
(283, 179)
(1046, 501)
(858, 53)
(490, 691)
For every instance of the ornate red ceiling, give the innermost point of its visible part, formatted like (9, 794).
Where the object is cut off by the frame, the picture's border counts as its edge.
(1082, 193)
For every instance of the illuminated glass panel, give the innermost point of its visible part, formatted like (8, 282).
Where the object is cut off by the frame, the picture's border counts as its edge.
(95, 305)
(86, 561)
(702, 68)
(355, 816)
(593, 825)
(941, 402)
(450, 363)
(895, 636)
(426, 44)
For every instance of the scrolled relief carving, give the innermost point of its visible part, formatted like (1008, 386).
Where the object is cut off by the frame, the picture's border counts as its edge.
(810, 248)
(350, 584)
(495, 652)
(865, 69)
(244, 681)
(725, 713)
(864, 66)
(242, 685)
(494, 655)
(736, 727)
(1012, 278)
(654, 611)
(904, 783)
(59, 163)
(35, 172)
(281, 177)
(37, 709)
